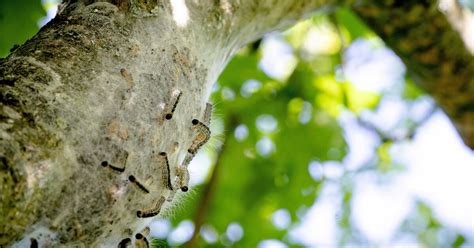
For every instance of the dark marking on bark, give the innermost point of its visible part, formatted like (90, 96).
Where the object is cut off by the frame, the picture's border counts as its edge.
(128, 77)
(9, 82)
(123, 5)
(147, 5)
(468, 107)
(8, 98)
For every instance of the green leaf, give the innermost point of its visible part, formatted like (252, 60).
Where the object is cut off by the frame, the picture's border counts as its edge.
(411, 91)
(240, 69)
(331, 96)
(296, 34)
(358, 100)
(18, 22)
(460, 240)
(300, 83)
(353, 24)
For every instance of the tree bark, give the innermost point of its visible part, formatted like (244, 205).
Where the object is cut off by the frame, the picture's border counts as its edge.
(83, 106)
(82, 121)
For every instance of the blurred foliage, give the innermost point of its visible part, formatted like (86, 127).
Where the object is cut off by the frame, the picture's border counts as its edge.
(273, 130)
(18, 22)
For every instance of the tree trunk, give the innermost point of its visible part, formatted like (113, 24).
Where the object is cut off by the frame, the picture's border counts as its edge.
(83, 111)
(84, 102)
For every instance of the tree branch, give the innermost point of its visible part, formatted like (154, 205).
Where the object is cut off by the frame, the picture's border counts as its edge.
(434, 53)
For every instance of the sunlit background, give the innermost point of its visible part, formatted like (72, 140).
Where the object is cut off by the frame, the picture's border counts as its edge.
(327, 142)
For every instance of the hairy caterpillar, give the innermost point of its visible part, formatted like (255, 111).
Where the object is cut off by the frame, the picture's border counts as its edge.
(139, 185)
(124, 243)
(120, 157)
(171, 106)
(155, 210)
(203, 135)
(141, 241)
(115, 168)
(34, 243)
(165, 170)
(182, 174)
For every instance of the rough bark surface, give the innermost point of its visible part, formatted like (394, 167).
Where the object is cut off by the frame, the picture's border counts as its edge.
(86, 95)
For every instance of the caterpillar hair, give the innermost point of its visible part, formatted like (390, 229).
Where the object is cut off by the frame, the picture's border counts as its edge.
(155, 210)
(173, 192)
(203, 135)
